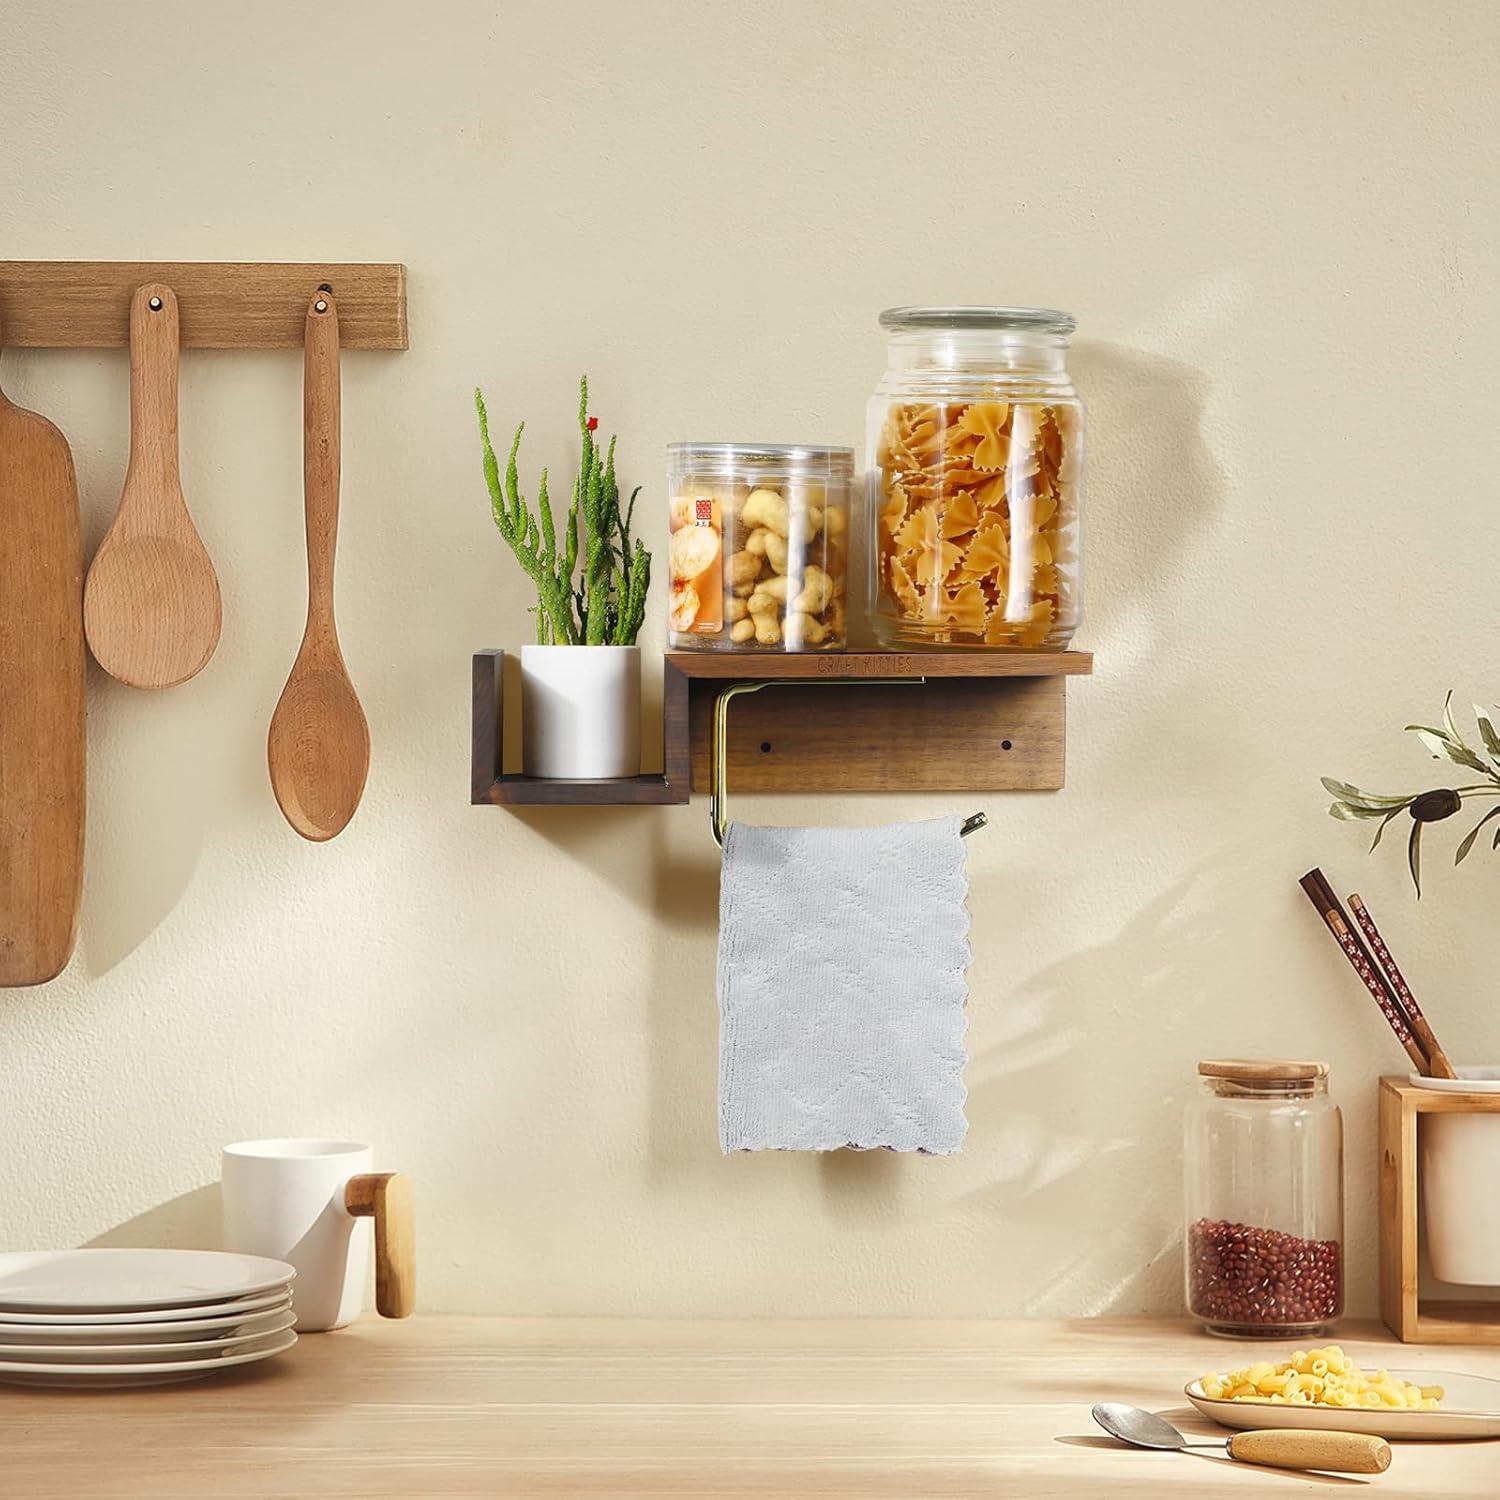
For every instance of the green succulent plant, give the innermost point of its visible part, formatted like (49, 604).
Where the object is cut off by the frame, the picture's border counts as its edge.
(1439, 803)
(607, 603)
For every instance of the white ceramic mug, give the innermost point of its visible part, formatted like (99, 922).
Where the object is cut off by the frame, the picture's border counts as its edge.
(1460, 1174)
(315, 1204)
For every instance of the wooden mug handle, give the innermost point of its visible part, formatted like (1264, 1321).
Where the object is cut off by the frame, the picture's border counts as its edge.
(387, 1198)
(1298, 1448)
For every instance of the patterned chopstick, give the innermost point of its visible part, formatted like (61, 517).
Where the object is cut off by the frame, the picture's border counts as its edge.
(1320, 893)
(1441, 1067)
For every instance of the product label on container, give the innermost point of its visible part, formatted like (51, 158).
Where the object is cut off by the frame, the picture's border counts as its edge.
(697, 557)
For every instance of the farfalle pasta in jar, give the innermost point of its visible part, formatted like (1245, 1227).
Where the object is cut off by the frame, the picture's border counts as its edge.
(975, 454)
(759, 546)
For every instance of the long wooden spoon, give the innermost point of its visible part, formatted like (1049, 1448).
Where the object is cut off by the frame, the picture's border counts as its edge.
(41, 699)
(319, 745)
(151, 607)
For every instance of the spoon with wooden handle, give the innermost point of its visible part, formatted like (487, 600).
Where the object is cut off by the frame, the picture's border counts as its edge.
(1279, 1448)
(319, 744)
(151, 608)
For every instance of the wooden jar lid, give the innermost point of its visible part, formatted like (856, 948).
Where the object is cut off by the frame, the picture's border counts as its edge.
(1262, 1069)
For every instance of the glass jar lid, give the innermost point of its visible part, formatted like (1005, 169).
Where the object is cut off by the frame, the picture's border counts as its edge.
(794, 454)
(1262, 1070)
(773, 461)
(1017, 319)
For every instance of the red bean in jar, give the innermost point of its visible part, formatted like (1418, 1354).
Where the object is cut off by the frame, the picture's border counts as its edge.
(1264, 1199)
(1250, 1281)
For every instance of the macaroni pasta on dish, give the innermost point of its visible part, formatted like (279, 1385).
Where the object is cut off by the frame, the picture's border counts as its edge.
(1321, 1377)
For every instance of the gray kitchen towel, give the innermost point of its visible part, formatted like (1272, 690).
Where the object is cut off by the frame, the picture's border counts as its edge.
(842, 954)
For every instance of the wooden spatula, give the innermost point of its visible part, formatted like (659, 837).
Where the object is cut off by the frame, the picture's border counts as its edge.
(319, 745)
(151, 605)
(41, 699)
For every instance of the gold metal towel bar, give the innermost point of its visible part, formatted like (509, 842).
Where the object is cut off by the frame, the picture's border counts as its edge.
(718, 748)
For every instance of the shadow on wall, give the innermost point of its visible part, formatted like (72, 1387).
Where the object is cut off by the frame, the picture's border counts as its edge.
(145, 828)
(1151, 481)
(189, 1221)
(1155, 497)
(1024, 1100)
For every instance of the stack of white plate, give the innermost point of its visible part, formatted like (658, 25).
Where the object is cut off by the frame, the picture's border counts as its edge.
(139, 1317)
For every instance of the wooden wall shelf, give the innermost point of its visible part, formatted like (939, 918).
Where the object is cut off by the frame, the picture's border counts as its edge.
(85, 304)
(970, 721)
(787, 666)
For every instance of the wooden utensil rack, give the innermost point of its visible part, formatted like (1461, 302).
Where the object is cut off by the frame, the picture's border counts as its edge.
(85, 304)
(979, 721)
(1412, 1317)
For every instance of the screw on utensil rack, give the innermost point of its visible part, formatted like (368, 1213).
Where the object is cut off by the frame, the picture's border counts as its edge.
(718, 745)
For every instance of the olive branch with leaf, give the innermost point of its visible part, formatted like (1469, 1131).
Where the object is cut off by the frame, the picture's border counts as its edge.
(1447, 743)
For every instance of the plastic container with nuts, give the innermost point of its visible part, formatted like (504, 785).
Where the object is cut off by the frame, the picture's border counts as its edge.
(759, 551)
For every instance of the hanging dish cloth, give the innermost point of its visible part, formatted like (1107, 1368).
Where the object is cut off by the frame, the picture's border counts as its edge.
(842, 954)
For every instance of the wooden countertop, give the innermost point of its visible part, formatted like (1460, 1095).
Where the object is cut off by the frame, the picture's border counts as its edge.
(487, 1406)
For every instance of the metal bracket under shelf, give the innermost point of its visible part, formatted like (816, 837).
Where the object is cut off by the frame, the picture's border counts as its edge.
(719, 749)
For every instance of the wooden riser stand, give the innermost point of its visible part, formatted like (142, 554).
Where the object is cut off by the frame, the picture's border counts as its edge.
(1413, 1318)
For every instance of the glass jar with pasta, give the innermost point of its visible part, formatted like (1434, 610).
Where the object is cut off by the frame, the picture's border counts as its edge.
(975, 454)
(1264, 1199)
(759, 546)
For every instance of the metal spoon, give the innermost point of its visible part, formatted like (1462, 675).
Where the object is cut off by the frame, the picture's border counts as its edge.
(1281, 1448)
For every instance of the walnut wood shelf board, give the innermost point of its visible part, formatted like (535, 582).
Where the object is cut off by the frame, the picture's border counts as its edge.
(85, 304)
(943, 735)
(746, 666)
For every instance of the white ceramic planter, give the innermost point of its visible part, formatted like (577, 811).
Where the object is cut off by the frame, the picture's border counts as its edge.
(1460, 1173)
(581, 711)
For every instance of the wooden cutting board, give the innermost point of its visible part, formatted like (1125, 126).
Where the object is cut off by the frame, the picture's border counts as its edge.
(41, 699)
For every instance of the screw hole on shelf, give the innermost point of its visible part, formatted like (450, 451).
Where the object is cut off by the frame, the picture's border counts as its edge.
(1005, 744)
(765, 747)
(155, 304)
(323, 286)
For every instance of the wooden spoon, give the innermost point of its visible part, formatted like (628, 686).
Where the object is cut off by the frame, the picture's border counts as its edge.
(41, 699)
(319, 745)
(151, 607)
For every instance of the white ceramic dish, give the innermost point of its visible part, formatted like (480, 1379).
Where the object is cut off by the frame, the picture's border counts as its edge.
(157, 1332)
(196, 1330)
(1470, 1409)
(242, 1307)
(59, 1281)
(109, 1354)
(15, 1372)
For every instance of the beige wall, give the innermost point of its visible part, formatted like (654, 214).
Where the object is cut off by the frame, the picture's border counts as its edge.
(1275, 225)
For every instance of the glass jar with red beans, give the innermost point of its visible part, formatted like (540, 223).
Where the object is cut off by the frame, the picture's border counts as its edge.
(1264, 1199)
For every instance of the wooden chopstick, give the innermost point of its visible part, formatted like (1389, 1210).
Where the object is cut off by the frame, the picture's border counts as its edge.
(1440, 1066)
(1321, 894)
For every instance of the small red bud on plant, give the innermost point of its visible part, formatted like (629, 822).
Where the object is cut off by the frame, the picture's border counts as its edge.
(593, 423)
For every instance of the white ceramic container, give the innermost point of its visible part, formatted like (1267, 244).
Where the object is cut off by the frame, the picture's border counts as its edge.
(1460, 1171)
(581, 711)
(289, 1194)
